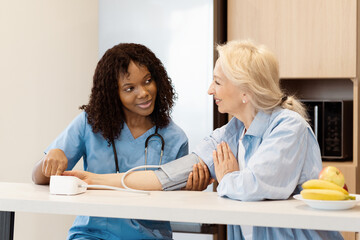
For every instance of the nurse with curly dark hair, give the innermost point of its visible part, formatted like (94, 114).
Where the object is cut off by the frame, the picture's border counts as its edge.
(131, 99)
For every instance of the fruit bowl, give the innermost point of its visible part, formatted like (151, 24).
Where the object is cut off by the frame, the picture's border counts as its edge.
(330, 205)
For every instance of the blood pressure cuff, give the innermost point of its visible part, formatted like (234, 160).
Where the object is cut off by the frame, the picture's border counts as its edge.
(174, 175)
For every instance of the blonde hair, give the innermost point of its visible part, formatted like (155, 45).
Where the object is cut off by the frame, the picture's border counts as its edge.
(256, 70)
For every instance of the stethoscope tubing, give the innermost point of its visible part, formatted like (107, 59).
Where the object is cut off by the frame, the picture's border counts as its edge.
(156, 134)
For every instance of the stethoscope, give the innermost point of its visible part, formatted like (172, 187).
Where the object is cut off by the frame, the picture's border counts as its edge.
(156, 134)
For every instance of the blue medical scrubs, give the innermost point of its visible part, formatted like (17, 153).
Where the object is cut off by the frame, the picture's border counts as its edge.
(281, 153)
(78, 140)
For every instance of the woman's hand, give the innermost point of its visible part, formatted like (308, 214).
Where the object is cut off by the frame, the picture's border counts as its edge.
(199, 178)
(87, 177)
(54, 163)
(224, 161)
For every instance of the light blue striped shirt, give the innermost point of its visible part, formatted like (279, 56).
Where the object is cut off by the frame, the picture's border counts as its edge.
(281, 152)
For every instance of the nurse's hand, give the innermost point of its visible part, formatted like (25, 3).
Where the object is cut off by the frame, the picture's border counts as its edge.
(54, 163)
(199, 178)
(83, 175)
(224, 161)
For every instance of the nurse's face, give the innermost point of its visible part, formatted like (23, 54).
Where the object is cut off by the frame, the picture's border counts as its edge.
(227, 95)
(137, 91)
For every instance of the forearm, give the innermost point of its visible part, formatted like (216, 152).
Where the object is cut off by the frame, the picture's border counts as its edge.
(141, 180)
(171, 176)
(37, 175)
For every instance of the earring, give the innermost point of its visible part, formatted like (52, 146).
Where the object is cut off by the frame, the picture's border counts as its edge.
(243, 101)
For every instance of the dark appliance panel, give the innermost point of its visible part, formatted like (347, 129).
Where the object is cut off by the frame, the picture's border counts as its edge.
(332, 123)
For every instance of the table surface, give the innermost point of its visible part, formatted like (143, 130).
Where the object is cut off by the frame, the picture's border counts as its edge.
(180, 206)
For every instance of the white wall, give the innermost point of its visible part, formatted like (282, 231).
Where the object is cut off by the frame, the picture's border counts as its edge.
(180, 33)
(48, 53)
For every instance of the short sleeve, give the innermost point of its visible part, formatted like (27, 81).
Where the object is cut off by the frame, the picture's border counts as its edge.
(71, 140)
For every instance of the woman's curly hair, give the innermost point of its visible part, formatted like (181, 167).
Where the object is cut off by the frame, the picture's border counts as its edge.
(105, 111)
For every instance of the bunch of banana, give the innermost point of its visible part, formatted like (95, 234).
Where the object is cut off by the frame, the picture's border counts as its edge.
(317, 189)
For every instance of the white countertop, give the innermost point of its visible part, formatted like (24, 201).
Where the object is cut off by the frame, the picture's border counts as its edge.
(180, 206)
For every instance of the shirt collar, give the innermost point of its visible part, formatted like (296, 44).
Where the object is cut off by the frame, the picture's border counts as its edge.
(259, 125)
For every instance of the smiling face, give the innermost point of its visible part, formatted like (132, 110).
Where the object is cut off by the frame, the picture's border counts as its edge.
(227, 95)
(137, 91)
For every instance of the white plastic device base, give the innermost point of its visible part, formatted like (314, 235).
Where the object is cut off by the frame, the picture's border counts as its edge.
(67, 185)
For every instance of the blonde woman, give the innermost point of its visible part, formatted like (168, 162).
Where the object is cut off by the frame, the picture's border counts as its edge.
(266, 151)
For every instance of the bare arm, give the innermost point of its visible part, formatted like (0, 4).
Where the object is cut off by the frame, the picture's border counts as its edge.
(37, 176)
(142, 180)
(198, 179)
